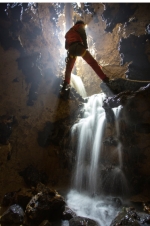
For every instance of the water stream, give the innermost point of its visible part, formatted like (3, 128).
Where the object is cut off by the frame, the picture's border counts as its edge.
(87, 198)
(90, 131)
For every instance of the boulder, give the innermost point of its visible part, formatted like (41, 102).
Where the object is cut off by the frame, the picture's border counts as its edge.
(45, 205)
(13, 215)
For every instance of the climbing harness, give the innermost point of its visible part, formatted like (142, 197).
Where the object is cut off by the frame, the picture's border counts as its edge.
(69, 56)
(83, 53)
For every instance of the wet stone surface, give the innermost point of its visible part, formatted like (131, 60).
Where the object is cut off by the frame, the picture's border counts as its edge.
(119, 85)
(78, 221)
(129, 216)
(46, 204)
(13, 215)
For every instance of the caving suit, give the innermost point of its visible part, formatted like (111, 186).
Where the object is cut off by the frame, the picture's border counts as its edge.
(76, 44)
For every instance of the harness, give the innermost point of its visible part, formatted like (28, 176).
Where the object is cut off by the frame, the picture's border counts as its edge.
(69, 56)
(72, 56)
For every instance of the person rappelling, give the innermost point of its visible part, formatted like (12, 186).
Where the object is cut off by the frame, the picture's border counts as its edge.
(76, 45)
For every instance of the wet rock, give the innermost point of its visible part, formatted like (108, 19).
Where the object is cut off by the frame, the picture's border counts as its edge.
(110, 141)
(45, 205)
(33, 176)
(126, 97)
(42, 188)
(146, 207)
(129, 216)
(113, 201)
(68, 213)
(110, 117)
(113, 183)
(23, 197)
(77, 221)
(116, 202)
(13, 215)
(119, 85)
(112, 102)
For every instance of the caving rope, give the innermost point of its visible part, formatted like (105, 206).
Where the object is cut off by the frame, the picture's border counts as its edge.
(130, 80)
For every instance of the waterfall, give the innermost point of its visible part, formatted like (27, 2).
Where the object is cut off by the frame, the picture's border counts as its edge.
(87, 198)
(117, 112)
(90, 132)
(77, 84)
(118, 170)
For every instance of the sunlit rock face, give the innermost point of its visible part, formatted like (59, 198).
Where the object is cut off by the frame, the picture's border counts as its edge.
(32, 66)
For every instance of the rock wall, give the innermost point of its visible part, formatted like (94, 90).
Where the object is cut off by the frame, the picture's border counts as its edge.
(132, 139)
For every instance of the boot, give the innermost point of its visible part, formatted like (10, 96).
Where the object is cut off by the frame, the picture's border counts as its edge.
(65, 90)
(65, 86)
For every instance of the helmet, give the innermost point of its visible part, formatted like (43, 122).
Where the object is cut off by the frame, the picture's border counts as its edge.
(79, 22)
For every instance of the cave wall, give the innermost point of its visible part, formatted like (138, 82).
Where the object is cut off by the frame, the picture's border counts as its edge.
(129, 136)
(32, 63)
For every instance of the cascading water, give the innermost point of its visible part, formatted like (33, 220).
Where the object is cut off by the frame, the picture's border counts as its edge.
(77, 84)
(90, 131)
(117, 112)
(118, 174)
(86, 197)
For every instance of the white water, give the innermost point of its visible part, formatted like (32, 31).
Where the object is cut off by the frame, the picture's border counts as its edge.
(90, 131)
(124, 183)
(77, 84)
(97, 208)
(83, 199)
(117, 112)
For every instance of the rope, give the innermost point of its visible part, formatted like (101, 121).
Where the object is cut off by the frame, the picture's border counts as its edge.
(131, 80)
